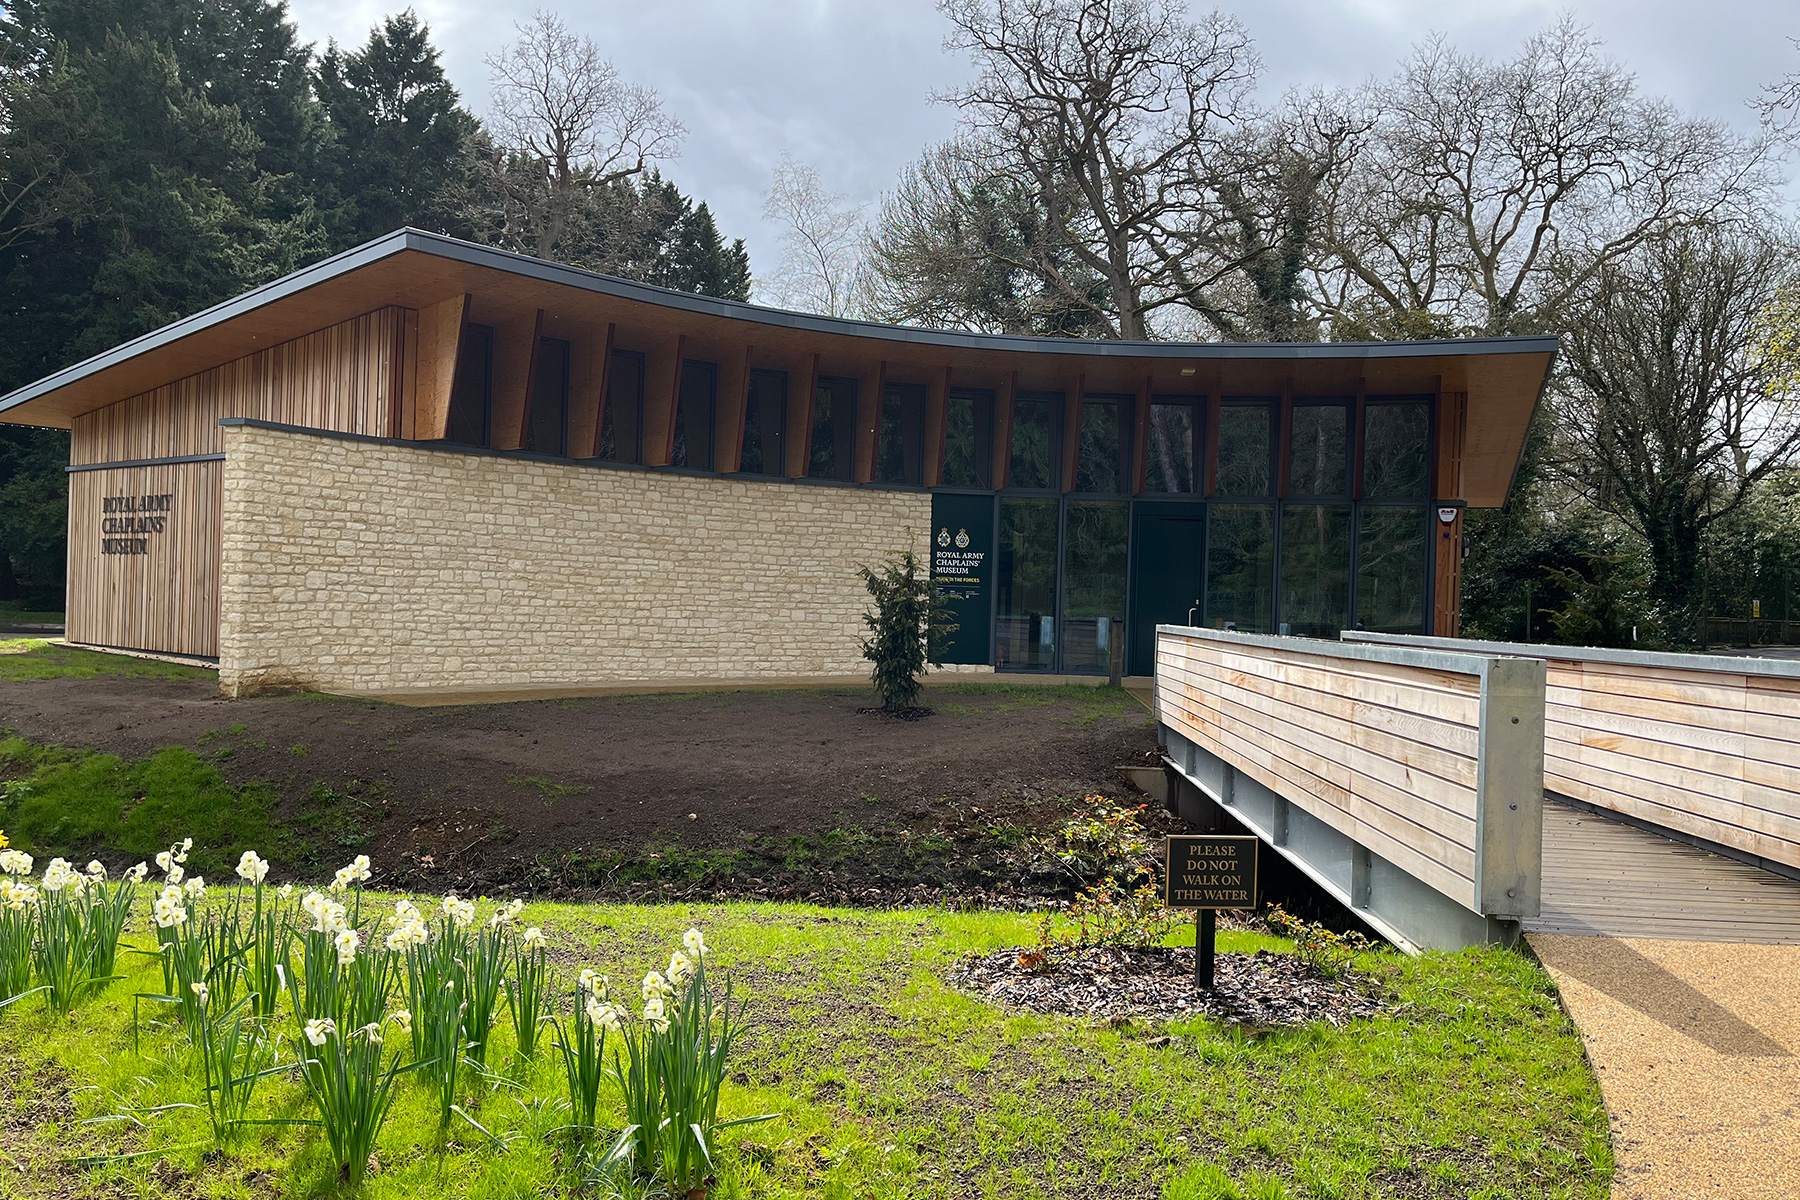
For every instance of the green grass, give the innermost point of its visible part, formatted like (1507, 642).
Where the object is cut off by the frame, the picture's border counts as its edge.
(77, 804)
(891, 1084)
(36, 658)
(1081, 703)
(14, 612)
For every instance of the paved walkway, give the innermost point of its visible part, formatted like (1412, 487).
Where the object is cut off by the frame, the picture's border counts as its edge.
(1682, 970)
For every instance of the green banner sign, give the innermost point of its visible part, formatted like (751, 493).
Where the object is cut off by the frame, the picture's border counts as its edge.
(962, 568)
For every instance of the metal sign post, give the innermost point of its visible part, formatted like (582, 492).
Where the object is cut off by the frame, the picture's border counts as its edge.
(1208, 872)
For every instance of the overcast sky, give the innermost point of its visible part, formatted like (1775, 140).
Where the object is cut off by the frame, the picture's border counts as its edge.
(846, 84)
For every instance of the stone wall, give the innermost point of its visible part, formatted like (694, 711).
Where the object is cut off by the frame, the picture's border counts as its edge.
(363, 566)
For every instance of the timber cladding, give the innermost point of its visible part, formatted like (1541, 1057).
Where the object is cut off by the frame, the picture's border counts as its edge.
(347, 378)
(353, 565)
(1386, 754)
(1710, 753)
(144, 557)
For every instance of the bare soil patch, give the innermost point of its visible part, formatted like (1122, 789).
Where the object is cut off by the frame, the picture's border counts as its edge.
(1258, 990)
(788, 794)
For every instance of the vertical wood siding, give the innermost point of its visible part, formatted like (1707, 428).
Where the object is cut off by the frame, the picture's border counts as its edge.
(348, 379)
(167, 598)
(345, 378)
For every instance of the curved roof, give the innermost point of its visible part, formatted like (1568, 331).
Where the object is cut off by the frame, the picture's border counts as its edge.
(414, 269)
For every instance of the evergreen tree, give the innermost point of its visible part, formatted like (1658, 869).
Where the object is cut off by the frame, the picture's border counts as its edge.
(399, 132)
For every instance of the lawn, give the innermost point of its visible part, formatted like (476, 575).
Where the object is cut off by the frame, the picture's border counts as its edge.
(890, 1083)
(39, 658)
(14, 612)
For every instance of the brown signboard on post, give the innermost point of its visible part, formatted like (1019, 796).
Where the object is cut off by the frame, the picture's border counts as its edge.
(1210, 872)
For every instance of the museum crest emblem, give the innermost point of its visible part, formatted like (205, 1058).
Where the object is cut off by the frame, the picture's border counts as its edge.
(962, 539)
(944, 538)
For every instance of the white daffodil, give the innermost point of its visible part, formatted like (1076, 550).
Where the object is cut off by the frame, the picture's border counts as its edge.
(402, 1019)
(285, 891)
(196, 887)
(371, 1033)
(96, 869)
(19, 896)
(15, 862)
(591, 983)
(136, 874)
(164, 860)
(681, 969)
(654, 1014)
(320, 1028)
(506, 915)
(176, 872)
(60, 875)
(656, 986)
(359, 869)
(169, 909)
(532, 937)
(186, 845)
(341, 881)
(612, 1018)
(252, 868)
(405, 911)
(199, 990)
(593, 1011)
(459, 912)
(347, 941)
(694, 944)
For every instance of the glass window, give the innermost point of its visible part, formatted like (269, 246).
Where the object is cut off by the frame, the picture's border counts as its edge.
(765, 421)
(1173, 446)
(1397, 451)
(1315, 569)
(1101, 464)
(1390, 568)
(694, 409)
(968, 439)
(622, 424)
(1036, 447)
(1240, 567)
(1094, 558)
(471, 399)
(900, 454)
(1025, 586)
(1319, 451)
(833, 430)
(547, 426)
(1246, 449)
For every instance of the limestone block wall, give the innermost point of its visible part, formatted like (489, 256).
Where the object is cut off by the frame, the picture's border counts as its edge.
(356, 565)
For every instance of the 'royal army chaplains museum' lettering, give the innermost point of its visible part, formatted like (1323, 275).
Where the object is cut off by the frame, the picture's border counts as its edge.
(424, 465)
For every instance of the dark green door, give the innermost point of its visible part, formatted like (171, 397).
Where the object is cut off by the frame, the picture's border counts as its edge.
(1168, 552)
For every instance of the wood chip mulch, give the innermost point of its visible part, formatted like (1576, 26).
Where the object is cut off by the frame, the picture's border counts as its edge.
(1260, 989)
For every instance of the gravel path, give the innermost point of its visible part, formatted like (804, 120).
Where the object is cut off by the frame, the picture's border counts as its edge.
(1697, 1045)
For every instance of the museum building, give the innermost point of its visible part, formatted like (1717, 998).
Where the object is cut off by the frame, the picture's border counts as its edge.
(425, 466)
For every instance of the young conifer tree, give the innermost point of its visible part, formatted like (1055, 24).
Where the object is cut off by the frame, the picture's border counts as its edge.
(908, 626)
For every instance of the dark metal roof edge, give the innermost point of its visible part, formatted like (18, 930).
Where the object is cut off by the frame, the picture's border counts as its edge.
(276, 289)
(558, 273)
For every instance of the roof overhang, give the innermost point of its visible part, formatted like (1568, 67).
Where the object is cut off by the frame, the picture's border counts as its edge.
(412, 269)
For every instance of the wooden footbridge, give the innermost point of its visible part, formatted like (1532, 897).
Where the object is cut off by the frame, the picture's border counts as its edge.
(1453, 791)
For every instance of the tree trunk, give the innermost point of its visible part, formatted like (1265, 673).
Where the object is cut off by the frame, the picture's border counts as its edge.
(1676, 582)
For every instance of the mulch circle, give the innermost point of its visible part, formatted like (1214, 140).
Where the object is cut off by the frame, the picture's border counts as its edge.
(1260, 989)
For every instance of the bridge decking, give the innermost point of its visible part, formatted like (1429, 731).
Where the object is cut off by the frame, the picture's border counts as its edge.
(1605, 878)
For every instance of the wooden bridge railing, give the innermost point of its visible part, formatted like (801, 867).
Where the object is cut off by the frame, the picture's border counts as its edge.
(1427, 760)
(1703, 745)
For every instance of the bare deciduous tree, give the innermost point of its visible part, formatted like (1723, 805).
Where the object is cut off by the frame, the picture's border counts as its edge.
(822, 242)
(1489, 194)
(1105, 115)
(564, 122)
(1779, 104)
(1667, 419)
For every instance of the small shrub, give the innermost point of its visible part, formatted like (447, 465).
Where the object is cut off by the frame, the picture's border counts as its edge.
(1105, 914)
(1101, 839)
(1324, 950)
(906, 629)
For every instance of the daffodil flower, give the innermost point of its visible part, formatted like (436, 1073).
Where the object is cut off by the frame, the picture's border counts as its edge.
(320, 1028)
(694, 944)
